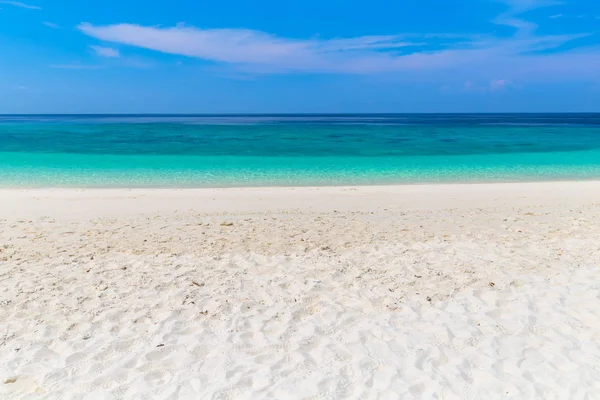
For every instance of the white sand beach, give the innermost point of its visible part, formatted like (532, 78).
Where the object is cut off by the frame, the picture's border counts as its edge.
(482, 291)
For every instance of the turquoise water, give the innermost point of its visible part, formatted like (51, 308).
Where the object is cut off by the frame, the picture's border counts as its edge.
(217, 151)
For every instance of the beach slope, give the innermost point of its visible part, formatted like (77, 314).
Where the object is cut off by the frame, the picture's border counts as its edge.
(485, 291)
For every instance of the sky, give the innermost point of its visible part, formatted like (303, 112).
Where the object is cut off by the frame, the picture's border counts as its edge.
(334, 56)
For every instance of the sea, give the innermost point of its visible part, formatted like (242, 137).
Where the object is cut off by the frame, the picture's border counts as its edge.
(295, 149)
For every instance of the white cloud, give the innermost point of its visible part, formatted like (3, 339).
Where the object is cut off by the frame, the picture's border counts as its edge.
(517, 7)
(19, 4)
(234, 45)
(477, 58)
(256, 51)
(497, 84)
(556, 16)
(51, 25)
(108, 52)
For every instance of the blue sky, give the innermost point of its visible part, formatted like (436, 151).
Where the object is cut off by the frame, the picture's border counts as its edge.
(186, 56)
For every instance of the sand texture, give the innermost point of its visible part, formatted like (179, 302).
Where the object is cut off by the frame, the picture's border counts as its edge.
(411, 292)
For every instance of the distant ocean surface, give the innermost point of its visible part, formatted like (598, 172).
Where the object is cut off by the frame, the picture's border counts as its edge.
(295, 150)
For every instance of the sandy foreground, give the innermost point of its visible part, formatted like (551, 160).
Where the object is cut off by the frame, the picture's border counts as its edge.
(487, 291)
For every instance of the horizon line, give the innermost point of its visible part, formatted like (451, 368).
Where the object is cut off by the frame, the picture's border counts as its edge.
(300, 113)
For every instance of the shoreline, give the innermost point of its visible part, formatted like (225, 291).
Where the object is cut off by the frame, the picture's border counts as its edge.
(309, 186)
(119, 201)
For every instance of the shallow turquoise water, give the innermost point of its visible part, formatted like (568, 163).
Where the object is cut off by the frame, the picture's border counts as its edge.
(201, 151)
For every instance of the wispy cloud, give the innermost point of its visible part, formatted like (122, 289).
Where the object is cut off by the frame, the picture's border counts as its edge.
(51, 25)
(108, 52)
(482, 87)
(76, 66)
(468, 85)
(19, 4)
(497, 84)
(579, 16)
(511, 17)
(236, 45)
(525, 53)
